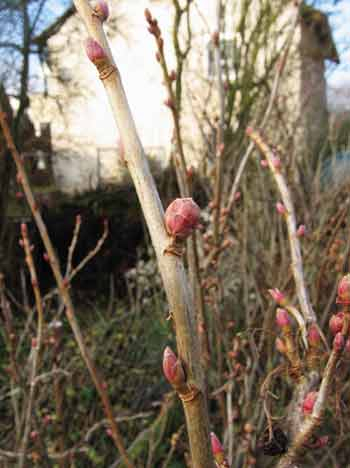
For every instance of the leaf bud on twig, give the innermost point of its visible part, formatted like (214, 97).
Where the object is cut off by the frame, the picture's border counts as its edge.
(218, 451)
(172, 368)
(343, 293)
(278, 296)
(309, 402)
(338, 342)
(276, 162)
(181, 218)
(313, 336)
(94, 51)
(282, 318)
(101, 10)
(281, 208)
(301, 231)
(336, 323)
(215, 38)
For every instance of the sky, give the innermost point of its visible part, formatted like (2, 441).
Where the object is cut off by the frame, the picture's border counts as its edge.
(339, 17)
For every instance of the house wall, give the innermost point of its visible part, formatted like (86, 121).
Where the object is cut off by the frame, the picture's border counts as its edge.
(84, 135)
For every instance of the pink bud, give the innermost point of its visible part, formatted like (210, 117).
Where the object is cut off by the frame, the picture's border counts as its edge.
(347, 346)
(336, 323)
(237, 196)
(278, 296)
(301, 231)
(309, 402)
(190, 172)
(19, 195)
(172, 75)
(220, 149)
(215, 37)
(264, 163)
(94, 51)
(34, 435)
(215, 444)
(280, 345)
(101, 10)
(276, 162)
(322, 441)
(181, 217)
(172, 368)
(109, 432)
(282, 318)
(343, 296)
(281, 208)
(218, 451)
(338, 342)
(47, 419)
(46, 257)
(169, 103)
(313, 336)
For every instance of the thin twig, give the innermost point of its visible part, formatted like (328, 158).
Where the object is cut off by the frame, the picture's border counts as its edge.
(36, 346)
(63, 290)
(171, 267)
(290, 218)
(270, 106)
(73, 245)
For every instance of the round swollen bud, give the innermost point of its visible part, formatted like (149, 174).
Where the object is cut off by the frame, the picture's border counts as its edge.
(278, 296)
(336, 323)
(94, 51)
(282, 318)
(313, 336)
(276, 162)
(301, 231)
(172, 368)
(309, 402)
(322, 441)
(338, 342)
(281, 208)
(264, 163)
(181, 217)
(343, 296)
(101, 10)
(169, 103)
(34, 435)
(47, 419)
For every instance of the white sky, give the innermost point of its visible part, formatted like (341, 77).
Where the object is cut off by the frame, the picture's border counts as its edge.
(339, 17)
